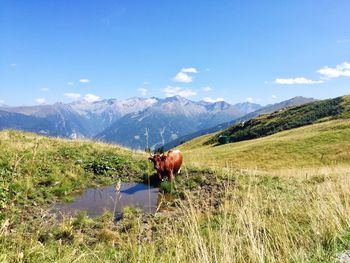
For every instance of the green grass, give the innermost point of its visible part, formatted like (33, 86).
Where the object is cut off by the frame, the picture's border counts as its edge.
(317, 145)
(286, 119)
(217, 214)
(39, 170)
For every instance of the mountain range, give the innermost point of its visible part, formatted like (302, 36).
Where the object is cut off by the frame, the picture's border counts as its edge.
(296, 101)
(135, 122)
(170, 118)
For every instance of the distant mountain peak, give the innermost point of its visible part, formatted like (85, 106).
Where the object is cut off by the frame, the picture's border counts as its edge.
(176, 98)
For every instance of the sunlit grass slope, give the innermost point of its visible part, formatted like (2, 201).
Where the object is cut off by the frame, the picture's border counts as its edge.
(39, 169)
(286, 119)
(316, 145)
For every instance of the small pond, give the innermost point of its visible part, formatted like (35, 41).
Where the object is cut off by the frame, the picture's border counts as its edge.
(95, 201)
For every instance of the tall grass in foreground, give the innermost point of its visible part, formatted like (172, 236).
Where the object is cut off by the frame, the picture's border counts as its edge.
(261, 218)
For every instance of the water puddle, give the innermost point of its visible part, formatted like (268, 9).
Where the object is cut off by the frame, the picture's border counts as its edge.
(95, 201)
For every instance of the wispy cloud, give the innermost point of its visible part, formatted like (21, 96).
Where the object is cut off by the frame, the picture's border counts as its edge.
(326, 73)
(298, 80)
(273, 97)
(70, 83)
(206, 88)
(207, 99)
(71, 95)
(341, 70)
(91, 98)
(84, 80)
(143, 91)
(2, 101)
(342, 41)
(170, 91)
(189, 70)
(249, 99)
(40, 101)
(12, 65)
(44, 89)
(183, 76)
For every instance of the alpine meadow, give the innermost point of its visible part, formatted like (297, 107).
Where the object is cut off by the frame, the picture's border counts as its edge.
(195, 131)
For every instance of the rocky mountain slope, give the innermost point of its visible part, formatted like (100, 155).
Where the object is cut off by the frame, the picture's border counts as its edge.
(168, 119)
(122, 121)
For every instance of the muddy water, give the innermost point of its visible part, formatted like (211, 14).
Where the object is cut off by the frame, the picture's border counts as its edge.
(95, 201)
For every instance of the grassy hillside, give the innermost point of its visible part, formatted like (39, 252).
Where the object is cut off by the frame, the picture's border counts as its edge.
(38, 169)
(316, 145)
(286, 119)
(296, 101)
(221, 215)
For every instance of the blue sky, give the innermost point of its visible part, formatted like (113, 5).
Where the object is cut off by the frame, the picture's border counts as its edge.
(260, 51)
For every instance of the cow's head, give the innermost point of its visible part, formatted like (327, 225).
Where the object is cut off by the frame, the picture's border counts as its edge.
(157, 160)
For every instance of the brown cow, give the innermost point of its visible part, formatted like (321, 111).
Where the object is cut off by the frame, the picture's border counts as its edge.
(167, 164)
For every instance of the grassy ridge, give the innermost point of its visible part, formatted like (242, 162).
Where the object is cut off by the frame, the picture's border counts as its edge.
(36, 169)
(316, 145)
(286, 119)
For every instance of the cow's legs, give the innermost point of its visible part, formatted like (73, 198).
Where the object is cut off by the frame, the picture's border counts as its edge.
(171, 175)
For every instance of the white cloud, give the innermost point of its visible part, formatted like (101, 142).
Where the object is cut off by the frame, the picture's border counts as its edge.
(183, 76)
(298, 80)
(145, 83)
(91, 98)
(70, 83)
(84, 80)
(207, 69)
(250, 99)
(206, 88)
(44, 89)
(341, 70)
(207, 99)
(73, 96)
(170, 91)
(2, 101)
(13, 65)
(143, 91)
(40, 100)
(189, 70)
(274, 97)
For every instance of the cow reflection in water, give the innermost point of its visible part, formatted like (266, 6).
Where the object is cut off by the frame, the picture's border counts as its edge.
(167, 165)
